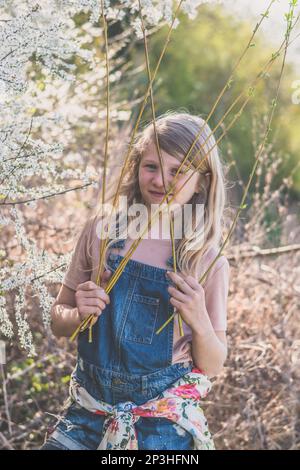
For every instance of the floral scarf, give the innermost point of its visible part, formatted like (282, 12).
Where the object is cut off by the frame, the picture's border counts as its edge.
(180, 403)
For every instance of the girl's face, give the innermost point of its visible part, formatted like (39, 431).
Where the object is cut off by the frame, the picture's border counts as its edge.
(151, 181)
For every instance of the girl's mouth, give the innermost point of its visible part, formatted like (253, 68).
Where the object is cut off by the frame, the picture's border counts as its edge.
(155, 194)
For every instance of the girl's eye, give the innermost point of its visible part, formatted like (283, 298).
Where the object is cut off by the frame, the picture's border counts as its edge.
(153, 167)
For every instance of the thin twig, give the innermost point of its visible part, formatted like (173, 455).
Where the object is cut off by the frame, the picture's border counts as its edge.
(5, 397)
(256, 251)
(46, 196)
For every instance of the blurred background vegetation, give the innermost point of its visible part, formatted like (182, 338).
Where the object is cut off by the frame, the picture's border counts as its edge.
(257, 392)
(200, 57)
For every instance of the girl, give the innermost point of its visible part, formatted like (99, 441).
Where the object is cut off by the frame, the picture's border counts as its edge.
(133, 388)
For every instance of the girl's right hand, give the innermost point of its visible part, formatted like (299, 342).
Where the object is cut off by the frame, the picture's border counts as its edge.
(91, 298)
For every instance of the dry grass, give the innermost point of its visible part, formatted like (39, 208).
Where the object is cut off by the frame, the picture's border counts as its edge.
(254, 402)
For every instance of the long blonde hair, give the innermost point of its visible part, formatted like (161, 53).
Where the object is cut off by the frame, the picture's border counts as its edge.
(176, 133)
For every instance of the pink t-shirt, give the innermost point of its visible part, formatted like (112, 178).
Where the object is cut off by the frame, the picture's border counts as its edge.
(155, 252)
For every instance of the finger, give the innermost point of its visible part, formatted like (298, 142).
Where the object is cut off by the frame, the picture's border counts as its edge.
(106, 275)
(176, 303)
(92, 293)
(193, 283)
(88, 285)
(93, 302)
(104, 296)
(105, 278)
(86, 311)
(180, 283)
(95, 294)
(177, 294)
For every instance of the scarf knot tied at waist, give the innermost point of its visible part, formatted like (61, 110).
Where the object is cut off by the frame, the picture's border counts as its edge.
(179, 403)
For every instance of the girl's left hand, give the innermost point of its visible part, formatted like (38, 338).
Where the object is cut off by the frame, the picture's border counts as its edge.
(189, 300)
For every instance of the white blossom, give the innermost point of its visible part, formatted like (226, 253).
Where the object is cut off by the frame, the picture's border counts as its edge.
(6, 326)
(41, 106)
(25, 335)
(39, 31)
(30, 274)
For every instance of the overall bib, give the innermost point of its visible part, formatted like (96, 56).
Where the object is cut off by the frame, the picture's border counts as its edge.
(127, 361)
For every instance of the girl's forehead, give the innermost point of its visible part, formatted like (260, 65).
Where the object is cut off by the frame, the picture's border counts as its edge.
(151, 154)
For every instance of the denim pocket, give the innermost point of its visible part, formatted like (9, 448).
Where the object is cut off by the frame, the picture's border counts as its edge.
(141, 319)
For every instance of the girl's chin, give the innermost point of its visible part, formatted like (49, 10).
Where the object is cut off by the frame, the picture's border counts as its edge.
(149, 200)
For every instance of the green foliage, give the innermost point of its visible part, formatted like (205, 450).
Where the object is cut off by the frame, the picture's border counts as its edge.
(199, 61)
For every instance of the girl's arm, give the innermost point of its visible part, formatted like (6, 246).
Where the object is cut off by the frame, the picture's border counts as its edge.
(64, 313)
(209, 350)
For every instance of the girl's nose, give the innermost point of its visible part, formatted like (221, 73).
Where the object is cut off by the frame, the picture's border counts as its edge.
(158, 180)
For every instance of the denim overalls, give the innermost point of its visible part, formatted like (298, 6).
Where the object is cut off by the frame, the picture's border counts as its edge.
(127, 361)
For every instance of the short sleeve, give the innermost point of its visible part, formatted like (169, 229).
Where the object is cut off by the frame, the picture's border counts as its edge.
(80, 268)
(216, 293)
